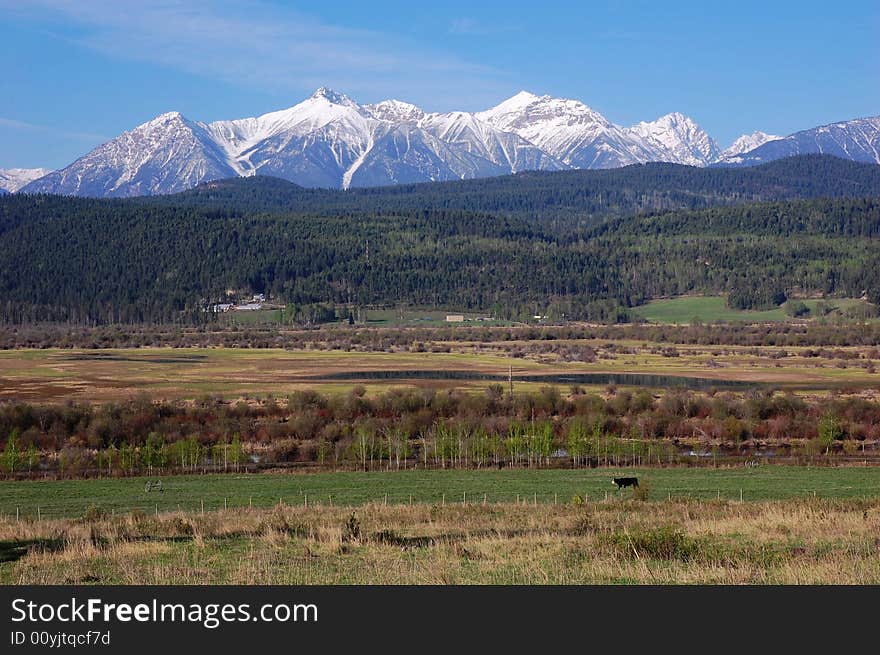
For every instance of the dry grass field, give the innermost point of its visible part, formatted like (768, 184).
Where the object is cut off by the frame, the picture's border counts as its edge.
(805, 541)
(54, 375)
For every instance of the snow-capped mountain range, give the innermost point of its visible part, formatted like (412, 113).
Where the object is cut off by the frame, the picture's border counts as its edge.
(329, 140)
(857, 139)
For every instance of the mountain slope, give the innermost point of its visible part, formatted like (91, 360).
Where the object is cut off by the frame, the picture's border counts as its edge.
(312, 143)
(567, 130)
(12, 179)
(506, 150)
(164, 155)
(858, 140)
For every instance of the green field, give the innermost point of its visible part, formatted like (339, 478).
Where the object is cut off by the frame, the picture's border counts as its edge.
(72, 498)
(253, 317)
(708, 309)
(369, 318)
(424, 318)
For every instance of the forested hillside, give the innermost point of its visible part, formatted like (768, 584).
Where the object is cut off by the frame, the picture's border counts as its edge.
(563, 199)
(100, 261)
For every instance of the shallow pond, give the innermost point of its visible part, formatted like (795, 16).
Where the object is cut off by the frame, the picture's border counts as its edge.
(619, 379)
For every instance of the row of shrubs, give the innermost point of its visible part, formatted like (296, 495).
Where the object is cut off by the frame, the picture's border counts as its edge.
(442, 428)
(359, 338)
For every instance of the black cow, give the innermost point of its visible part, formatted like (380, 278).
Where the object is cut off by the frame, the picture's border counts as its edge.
(625, 482)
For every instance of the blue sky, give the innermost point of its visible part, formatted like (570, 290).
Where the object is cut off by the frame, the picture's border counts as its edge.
(78, 72)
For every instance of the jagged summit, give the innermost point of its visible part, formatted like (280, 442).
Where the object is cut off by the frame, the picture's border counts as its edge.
(395, 110)
(677, 138)
(332, 96)
(747, 142)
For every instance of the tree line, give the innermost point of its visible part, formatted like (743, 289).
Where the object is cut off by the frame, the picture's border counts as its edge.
(824, 336)
(403, 427)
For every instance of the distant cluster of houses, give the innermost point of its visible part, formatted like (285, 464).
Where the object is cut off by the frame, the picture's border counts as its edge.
(460, 318)
(257, 301)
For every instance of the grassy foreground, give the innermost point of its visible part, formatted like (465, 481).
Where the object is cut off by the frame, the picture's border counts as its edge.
(72, 498)
(619, 541)
(817, 525)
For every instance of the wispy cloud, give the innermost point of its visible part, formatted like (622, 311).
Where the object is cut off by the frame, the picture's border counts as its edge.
(253, 44)
(466, 26)
(14, 124)
(9, 122)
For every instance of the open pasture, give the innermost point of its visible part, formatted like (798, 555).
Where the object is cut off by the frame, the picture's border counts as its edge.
(707, 309)
(71, 498)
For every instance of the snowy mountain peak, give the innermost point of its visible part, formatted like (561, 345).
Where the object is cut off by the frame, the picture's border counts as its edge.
(324, 107)
(332, 96)
(567, 130)
(167, 117)
(521, 99)
(748, 142)
(677, 120)
(163, 155)
(677, 138)
(528, 107)
(395, 110)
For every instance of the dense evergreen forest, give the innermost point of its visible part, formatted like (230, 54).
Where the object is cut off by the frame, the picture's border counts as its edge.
(555, 200)
(577, 244)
